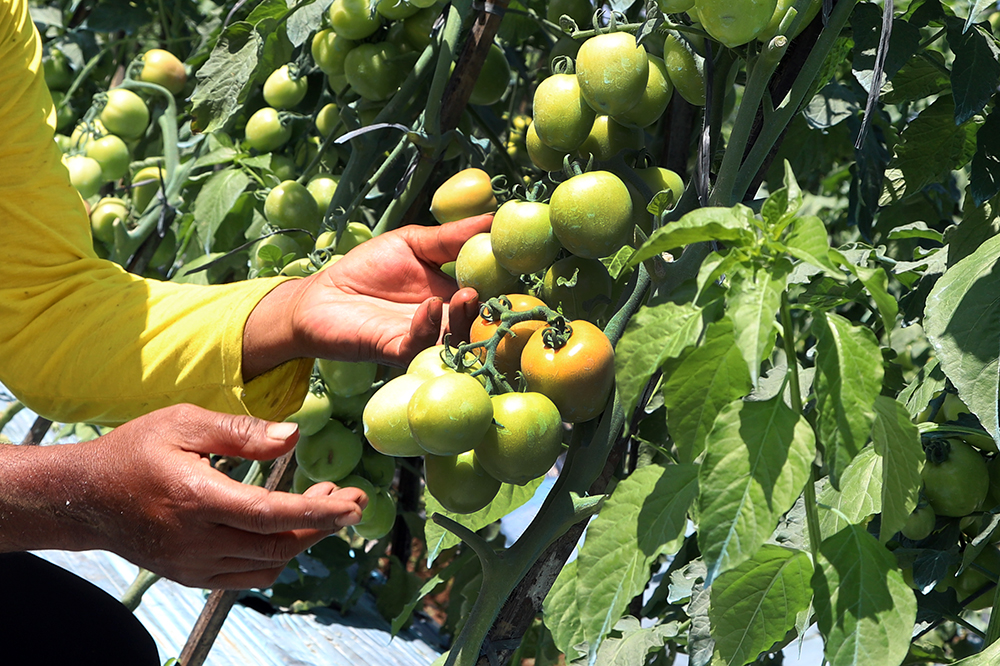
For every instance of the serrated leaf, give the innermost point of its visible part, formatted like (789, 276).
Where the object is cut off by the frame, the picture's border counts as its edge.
(897, 440)
(215, 200)
(730, 225)
(509, 498)
(755, 604)
(306, 16)
(864, 609)
(808, 241)
(654, 335)
(859, 497)
(919, 78)
(975, 71)
(224, 80)
(757, 460)
(561, 611)
(848, 379)
(698, 384)
(634, 645)
(753, 299)
(962, 322)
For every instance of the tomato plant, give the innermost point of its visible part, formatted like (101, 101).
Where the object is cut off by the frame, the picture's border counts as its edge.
(467, 193)
(165, 69)
(329, 454)
(507, 359)
(448, 414)
(459, 482)
(591, 214)
(524, 441)
(125, 114)
(955, 478)
(521, 237)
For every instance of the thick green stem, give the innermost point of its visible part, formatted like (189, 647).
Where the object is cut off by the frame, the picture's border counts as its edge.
(143, 581)
(9, 413)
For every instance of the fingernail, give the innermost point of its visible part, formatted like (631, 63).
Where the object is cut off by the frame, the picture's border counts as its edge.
(281, 431)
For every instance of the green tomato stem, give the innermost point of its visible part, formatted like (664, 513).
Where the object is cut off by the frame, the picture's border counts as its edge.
(10, 413)
(143, 581)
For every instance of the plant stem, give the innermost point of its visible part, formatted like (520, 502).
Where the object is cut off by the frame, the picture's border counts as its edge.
(9, 413)
(144, 580)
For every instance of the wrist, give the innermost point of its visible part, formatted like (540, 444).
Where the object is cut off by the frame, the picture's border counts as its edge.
(269, 336)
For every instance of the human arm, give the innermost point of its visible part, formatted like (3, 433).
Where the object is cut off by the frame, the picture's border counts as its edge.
(147, 492)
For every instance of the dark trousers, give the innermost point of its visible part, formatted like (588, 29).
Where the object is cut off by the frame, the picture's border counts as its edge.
(51, 617)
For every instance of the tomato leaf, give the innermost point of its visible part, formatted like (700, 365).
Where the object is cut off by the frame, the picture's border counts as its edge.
(215, 200)
(730, 225)
(919, 78)
(634, 644)
(757, 461)
(654, 335)
(962, 322)
(897, 440)
(562, 611)
(984, 180)
(753, 299)
(975, 71)
(876, 283)
(864, 609)
(224, 81)
(848, 379)
(755, 604)
(644, 518)
(859, 497)
(699, 383)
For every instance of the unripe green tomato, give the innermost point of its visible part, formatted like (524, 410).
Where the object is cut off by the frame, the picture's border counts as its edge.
(302, 267)
(301, 481)
(85, 174)
(103, 216)
(580, 287)
(378, 468)
(613, 71)
(542, 156)
(428, 363)
(562, 118)
(466, 194)
(674, 6)
(417, 28)
(384, 418)
(477, 267)
(285, 244)
(64, 112)
(372, 70)
(329, 50)
(165, 69)
(354, 235)
(353, 408)
(654, 99)
(659, 179)
(347, 378)
(322, 187)
(396, 10)
(957, 486)
(449, 414)
(57, 70)
(283, 167)
(328, 119)
(525, 439)
(125, 114)
(313, 414)
(920, 523)
(607, 138)
(145, 185)
(581, 11)
(112, 154)
(265, 131)
(354, 19)
(591, 214)
(378, 517)
(522, 238)
(459, 482)
(330, 454)
(735, 22)
(82, 135)
(686, 70)
(493, 80)
(290, 206)
(282, 91)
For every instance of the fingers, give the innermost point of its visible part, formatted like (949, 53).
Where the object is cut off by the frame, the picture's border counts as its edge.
(256, 510)
(462, 311)
(439, 245)
(232, 434)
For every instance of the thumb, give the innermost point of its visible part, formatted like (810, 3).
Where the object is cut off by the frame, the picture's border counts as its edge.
(239, 435)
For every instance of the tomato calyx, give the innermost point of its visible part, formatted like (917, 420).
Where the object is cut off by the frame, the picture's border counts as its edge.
(557, 334)
(937, 450)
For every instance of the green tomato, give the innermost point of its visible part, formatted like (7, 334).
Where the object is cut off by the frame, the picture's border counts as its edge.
(290, 206)
(920, 523)
(385, 421)
(428, 363)
(373, 70)
(265, 130)
(957, 485)
(659, 179)
(65, 115)
(477, 267)
(145, 185)
(112, 154)
(329, 50)
(522, 238)
(57, 70)
(378, 468)
(459, 482)
(591, 214)
(542, 156)
(301, 267)
(493, 80)
(347, 378)
(314, 413)
(580, 288)
(284, 243)
(465, 194)
(125, 114)
(686, 70)
(351, 409)
(735, 22)
(674, 6)
(654, 99)
(330, 454)
(607, 138)
(328, 119)
(282, 90)
(378, 517)
(396, 10)
(525, 439)
(85, 174)
(562, 118)
(449, 414)
(354, 235)
(301, 481)
(613, 71)
(417, 28)
(103, 216)
(322, 187)
(353, 19)
(165, 69)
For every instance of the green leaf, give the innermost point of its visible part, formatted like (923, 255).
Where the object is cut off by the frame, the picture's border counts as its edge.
(654, 335)
(920, 391)
(215, 200)
(756, 463)
(730, 225)
(904, 41)
(864, 609)
(984, 180)
(876, 282)
(962, 322)
(755, 604)
(921, 77)
(753, 299)
(975, 71)
(644, 518)
(917, 229)
(698, 384)
(779, 208)
(979, 224)
(977, 8)
(634, 645)
(224, 81)
(897, 440)
(306, 15)
(848, 379)
(561, 611)
(860, 495)
(929, 149)
(509, 498)
(808, 241)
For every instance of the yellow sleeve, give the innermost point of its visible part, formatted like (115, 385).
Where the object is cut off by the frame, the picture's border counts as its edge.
(80, 338)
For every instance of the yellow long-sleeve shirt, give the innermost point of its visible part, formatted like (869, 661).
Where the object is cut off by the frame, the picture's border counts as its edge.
(80, 338)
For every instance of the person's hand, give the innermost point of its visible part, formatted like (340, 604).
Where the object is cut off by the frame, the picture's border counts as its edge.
(147, 492)
(384, 301)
